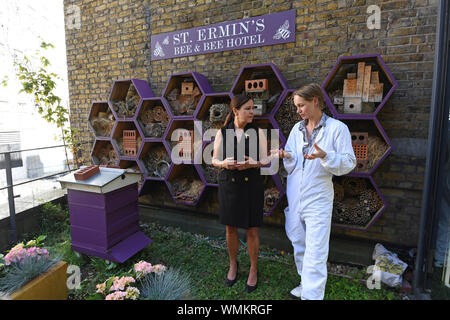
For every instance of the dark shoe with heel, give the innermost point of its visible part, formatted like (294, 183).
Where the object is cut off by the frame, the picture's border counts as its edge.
(250, 289)
(229, 282)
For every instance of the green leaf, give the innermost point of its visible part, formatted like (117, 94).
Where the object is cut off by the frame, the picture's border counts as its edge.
(96, 296)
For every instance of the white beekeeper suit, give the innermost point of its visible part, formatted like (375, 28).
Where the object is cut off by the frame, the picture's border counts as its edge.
(310, 198)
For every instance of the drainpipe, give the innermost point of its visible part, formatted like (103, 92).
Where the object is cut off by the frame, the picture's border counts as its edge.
(437, 133)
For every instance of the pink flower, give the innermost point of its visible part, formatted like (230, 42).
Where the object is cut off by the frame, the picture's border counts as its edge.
(118, 295)
(18, 254)
(142, 268)
(120, 284)
(159, 268)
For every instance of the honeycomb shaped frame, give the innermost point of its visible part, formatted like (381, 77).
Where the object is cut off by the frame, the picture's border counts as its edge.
(119, 91)
(151, 103)
(374, 128)
(349, 64)
(374, 216)
(143, 152)
(292, 117)
(187, 124)
(175, 81)
(119, 127)
(202, 112)
(98, 107)
(181, 170)
(104, 146)
(200, 163)
(277, 83)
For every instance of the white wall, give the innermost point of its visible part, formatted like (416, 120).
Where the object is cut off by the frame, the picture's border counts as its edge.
(22, 22)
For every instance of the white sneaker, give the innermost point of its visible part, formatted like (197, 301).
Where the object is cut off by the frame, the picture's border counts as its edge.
(297, 292)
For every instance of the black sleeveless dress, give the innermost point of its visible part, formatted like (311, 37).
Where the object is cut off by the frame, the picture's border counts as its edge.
(241, 193)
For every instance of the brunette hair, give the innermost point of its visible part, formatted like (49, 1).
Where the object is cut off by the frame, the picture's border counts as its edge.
(309, 92)
(237, 102)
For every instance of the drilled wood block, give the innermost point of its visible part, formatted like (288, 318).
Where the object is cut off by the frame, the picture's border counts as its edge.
(360, 79)
(187, 88)
(366, 86)
(375, 77)
(352, 105)
(350, 88)
(376, 92)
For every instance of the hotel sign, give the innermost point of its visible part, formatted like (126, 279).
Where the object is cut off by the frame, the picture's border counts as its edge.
(251, 32)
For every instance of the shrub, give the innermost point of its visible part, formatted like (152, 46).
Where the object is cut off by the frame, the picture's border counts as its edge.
(168, 285)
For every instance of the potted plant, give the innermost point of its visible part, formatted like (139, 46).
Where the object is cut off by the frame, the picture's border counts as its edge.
(28, 273)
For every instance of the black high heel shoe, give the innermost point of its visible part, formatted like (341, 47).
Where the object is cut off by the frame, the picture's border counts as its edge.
(229, 282)
(250, 289)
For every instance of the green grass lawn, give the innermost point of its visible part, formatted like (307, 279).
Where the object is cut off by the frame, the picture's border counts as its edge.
(206, 262)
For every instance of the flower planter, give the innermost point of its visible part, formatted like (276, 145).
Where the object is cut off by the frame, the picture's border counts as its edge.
(51, 285)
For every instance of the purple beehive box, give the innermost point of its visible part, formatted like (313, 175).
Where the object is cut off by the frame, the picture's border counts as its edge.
(104, 220)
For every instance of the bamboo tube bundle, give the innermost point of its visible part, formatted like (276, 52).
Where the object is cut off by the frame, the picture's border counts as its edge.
(340, 212)
(287, 116)
(371, 200)
(352, 207)
(363, 216)
(353, 186)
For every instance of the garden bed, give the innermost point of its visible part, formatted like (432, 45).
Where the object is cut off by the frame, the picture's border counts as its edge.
(205, 261)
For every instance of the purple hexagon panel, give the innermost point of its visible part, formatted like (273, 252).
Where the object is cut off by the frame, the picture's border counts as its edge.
(358, 86)
(126, 96)
(184, 91)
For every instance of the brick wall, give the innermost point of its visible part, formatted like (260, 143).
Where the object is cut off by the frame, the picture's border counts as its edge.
(114, 40)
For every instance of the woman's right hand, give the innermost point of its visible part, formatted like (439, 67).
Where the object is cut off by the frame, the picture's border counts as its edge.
(229, 163)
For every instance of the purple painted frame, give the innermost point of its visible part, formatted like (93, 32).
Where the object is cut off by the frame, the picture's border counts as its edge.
(202, 83)
(91, 114)
(142, 87)
(352, 59)
(375, 216)
(165, 104)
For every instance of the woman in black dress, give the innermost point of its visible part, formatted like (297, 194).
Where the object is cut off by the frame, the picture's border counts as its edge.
(240, 149)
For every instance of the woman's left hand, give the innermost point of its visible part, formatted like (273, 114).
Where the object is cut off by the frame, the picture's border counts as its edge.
(249, 163)
(318, 154)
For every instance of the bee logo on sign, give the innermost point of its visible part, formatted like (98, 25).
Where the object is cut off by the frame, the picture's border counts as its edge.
(283, 31)
(158, 52)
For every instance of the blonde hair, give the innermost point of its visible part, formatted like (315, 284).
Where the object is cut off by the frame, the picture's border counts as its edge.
(309, 92)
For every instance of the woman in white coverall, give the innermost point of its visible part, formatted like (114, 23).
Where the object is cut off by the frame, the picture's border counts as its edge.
(318, 147)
